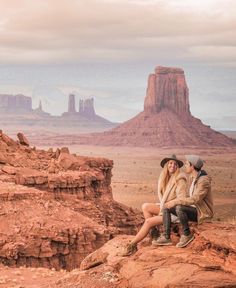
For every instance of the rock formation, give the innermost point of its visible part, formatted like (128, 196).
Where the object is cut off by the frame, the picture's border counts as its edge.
(15, 103)
(209, 261)
(86, 108)
(16, 113)
(71, 107)
(86, 111)
(39, 111)
(71, 104)
(167, 88)
(166, 120)
(23, 140)
(56, 207)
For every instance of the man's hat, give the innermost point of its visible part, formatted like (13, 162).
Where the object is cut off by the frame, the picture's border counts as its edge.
(195, 160)
(172, 157)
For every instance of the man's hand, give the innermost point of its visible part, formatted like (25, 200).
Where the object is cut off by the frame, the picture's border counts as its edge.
(169, 204)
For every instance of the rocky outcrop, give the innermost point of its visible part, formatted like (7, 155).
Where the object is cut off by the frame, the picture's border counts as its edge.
(86, 107)
(71, 107)
(166, 120)
(56, 207)
(167, 88)
(71, 104)
(40, 112)
(23, 140)
(86, 112)
(15, 103)
(209, 261)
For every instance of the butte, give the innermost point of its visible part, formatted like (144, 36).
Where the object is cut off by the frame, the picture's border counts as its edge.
(166, 120)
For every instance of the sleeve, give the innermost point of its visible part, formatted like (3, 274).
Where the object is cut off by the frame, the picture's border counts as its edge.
(199, 195)
(181, 189)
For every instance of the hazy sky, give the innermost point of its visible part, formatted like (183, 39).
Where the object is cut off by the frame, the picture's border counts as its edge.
(106, 48)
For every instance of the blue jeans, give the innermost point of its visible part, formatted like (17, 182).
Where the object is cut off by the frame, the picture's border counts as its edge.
(184, 213)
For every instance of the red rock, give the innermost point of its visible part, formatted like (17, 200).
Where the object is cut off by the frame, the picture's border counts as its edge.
(66, 160)
(167, 88)
(8, 140)
(50, 150)
(23, 140)
(9, 169)
(65, 150)
(165, 122)
(52, 168)
(57, 153)
(3, 159)
(204, 263)
(61, 216)
(57, 234)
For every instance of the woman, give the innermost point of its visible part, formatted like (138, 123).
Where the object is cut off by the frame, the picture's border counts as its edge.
(171, 185)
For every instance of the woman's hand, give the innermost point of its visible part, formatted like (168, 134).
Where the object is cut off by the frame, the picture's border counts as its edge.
(169, 204)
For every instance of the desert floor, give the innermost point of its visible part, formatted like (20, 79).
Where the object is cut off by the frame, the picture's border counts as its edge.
(136, 171)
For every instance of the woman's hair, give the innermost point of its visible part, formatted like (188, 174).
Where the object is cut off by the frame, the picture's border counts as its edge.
(165, 177)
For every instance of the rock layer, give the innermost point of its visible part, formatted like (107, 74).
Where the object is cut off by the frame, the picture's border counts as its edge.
(56, 207)
(167, 88)
(209, 261)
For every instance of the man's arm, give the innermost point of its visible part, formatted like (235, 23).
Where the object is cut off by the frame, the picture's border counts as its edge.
(181, 189)
(202, 190)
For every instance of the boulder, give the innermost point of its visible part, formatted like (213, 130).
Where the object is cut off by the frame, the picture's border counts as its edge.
(66, 160)
(23, 140)
(65, 150)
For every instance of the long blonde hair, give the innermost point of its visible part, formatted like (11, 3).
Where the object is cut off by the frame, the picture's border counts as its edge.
(165, 177)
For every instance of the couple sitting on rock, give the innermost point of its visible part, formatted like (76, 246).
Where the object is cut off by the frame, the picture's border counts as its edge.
(176, 201)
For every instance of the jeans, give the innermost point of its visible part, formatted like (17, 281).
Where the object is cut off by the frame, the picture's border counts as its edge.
(184, 213)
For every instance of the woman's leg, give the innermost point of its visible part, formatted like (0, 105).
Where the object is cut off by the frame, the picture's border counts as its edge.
(150, 209)
(148, 224)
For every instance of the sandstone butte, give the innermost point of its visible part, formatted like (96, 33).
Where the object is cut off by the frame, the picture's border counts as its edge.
(57, 212)
(166, 120)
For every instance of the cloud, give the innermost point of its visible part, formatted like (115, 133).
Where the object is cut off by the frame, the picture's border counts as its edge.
(49, 31)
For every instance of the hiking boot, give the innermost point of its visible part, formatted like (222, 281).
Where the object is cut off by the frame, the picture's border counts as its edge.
(154, 233)
(130, 249)
(185, 240)
(162, 241)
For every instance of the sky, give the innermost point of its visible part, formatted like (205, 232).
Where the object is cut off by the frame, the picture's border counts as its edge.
(107, 48)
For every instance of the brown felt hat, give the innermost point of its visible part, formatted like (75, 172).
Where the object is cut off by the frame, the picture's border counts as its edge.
(172, 157)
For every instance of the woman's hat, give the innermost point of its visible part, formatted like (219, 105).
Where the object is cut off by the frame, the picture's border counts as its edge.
(172, 157)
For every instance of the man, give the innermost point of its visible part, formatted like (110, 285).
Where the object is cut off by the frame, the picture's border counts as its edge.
(197, 207)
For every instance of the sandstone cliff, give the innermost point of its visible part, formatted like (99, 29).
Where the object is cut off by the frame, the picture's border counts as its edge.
(209, 261)
(56, 207)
